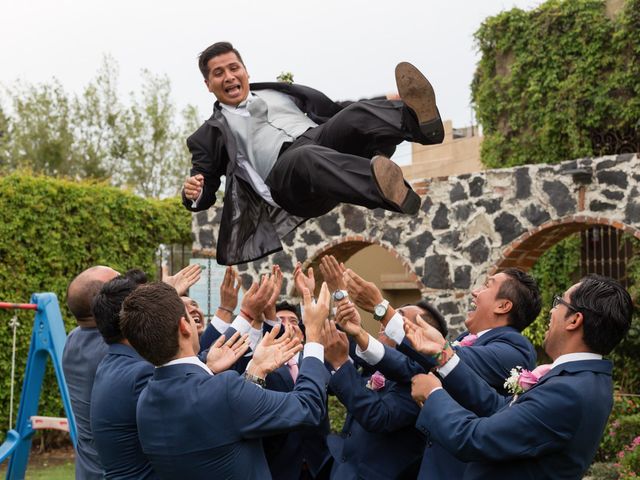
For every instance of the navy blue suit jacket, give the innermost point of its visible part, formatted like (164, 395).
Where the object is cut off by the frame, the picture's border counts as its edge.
(200, 426)
(212, 335)
(379, 440)
(83, 351)
(287, 452)
(492, 357)
(120, 378)
(550, 431)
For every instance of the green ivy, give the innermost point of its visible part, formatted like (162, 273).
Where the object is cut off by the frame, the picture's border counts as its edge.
(50, 230)
(555, 271)
(551, 77)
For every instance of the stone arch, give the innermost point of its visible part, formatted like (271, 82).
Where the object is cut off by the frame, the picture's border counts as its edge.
(525, 250)
(344, 248)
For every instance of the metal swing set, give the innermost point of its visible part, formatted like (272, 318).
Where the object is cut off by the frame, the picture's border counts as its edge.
(47, 341)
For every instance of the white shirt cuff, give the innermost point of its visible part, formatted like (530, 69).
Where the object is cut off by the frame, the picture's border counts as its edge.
(255, 335)
(313, 349)
(395, 328)
(219, 324)
(273, 323)
(241, 325)
(374, 352)
(448, 367)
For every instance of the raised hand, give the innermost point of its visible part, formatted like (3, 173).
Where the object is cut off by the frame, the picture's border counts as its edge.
(229, 290)
(364, 294)
(224, 354)
(272, 353)
(332, 272)
(423, 337)
(193, 186)
(182, 280)
(348, 317)
(277, 279)
(256, 298)
(336, 346)
(315, 313)
(303, 281)
(422, 385)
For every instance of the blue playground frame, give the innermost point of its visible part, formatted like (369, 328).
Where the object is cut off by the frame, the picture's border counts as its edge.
(47, 340)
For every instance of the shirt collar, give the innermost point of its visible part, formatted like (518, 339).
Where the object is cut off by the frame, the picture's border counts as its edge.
(482, 332)
(192, 360)
(242, 106)
(575, 357)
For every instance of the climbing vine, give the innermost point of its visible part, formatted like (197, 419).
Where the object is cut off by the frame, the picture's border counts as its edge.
(558, 82)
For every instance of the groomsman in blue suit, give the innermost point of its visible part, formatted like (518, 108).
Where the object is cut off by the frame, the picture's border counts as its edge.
(120, 378)
(302, 453)
(499, 310)
(379, 440)
(195, 424)
(549, 430)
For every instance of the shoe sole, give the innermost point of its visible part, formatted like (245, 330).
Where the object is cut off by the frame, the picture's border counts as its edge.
(416, 92)
(392, 187)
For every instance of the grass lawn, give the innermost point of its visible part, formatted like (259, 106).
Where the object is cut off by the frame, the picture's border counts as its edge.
(55, 465)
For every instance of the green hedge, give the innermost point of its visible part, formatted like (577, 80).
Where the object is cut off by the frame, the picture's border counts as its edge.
(50, 230)
(550, 78)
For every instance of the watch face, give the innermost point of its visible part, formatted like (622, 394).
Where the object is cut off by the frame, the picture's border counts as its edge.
(338, 295)
(379, 311)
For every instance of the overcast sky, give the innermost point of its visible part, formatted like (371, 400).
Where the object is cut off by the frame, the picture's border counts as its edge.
(346, 48)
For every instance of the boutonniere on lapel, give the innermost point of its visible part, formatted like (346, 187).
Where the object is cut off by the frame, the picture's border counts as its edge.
(522, 379)
(376, 382)
(466, 341)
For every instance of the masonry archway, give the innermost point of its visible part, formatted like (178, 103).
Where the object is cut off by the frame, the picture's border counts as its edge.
(525, 251)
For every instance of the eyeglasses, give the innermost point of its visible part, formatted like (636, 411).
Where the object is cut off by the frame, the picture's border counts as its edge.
(558, 300)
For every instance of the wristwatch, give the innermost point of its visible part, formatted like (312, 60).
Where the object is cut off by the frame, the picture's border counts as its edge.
(261, 382)
(380, 310)
(340, 295)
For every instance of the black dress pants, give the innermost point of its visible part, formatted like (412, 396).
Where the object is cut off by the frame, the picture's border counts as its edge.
(331, 163)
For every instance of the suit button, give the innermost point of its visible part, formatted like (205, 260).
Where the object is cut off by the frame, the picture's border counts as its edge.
(348, 434)
(343, 459)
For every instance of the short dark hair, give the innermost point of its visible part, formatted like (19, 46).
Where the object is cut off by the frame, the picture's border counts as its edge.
(522, 291)
(607, 309)
(150, 320)
(438, 320)
(218, 48)
(137, 275)
(108, 303)
(288, 306)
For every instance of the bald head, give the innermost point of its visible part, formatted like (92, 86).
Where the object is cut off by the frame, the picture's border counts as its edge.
(84, 288)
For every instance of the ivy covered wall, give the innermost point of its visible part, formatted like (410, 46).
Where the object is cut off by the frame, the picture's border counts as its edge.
(559, 82)
(50, 230)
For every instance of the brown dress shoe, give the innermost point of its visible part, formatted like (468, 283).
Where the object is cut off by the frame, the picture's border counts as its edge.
(417, 94)
(392, 186)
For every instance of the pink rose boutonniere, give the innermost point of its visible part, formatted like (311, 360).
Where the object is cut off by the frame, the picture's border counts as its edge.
(376, 382)
(522, 379)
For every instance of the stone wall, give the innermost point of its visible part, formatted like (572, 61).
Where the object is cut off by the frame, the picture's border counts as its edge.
(468, 225)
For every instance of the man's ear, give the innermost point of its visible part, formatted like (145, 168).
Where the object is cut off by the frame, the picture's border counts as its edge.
(503, 306)
(184, 327)
(576, 322)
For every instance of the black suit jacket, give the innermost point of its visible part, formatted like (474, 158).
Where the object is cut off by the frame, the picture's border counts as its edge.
(250, 228)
